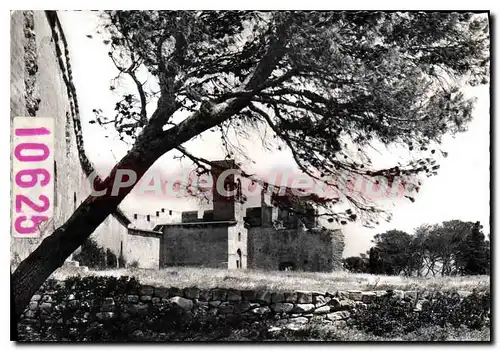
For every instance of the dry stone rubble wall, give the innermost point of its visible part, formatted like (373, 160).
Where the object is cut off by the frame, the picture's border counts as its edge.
(285, 308)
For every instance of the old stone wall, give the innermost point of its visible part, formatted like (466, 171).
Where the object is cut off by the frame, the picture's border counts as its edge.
(237, 239)
(203, 245)
(142, 249)
(38, 88)
(81, 310)
(307, 250)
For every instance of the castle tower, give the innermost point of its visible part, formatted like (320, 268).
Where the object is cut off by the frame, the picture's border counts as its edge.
(228, 206)
(269, 213)
(223, 181)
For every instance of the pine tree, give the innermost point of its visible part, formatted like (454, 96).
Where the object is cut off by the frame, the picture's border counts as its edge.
(476, 259)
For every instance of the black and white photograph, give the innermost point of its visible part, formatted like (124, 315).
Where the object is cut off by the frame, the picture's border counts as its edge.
(250, 176)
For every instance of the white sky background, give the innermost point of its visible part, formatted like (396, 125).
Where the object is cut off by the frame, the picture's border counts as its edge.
(460, 191)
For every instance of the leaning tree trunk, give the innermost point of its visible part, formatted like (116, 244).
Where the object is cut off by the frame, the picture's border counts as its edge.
(54, 249)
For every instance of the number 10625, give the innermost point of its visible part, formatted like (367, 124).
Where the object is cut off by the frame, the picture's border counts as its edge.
(32, 175)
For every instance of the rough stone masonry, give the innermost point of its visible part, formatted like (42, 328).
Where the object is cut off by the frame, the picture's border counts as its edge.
(287, 309)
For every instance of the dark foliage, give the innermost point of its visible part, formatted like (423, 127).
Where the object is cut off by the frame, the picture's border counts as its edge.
(111, 259)
(355, 264)
(391, 315)
(122, 263)
(94, 256)
(451, 248)
(337, 78)
(476, 254)
(375, 262)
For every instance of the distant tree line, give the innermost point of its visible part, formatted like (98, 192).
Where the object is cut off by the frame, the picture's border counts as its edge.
(451, 248)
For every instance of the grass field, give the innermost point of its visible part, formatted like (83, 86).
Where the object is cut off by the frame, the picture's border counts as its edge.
(182, 277)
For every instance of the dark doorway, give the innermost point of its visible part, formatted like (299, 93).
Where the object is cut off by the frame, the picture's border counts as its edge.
(238, 260)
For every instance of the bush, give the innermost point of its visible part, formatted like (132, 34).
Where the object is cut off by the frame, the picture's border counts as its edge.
(391, 315)
(93, 256)
(111, 259)
(121, 262)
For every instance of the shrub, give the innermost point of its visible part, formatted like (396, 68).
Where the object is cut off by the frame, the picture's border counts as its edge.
(390, 315)
(93, 256)
(121, 262)
(111, 259)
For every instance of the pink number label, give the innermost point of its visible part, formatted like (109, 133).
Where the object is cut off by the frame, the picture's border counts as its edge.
(33, 173)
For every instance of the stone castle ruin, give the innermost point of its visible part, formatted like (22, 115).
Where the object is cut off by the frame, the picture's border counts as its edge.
(235, 236)
(231, 235)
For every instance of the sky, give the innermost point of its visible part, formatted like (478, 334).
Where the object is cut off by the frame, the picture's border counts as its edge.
(459, 191)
